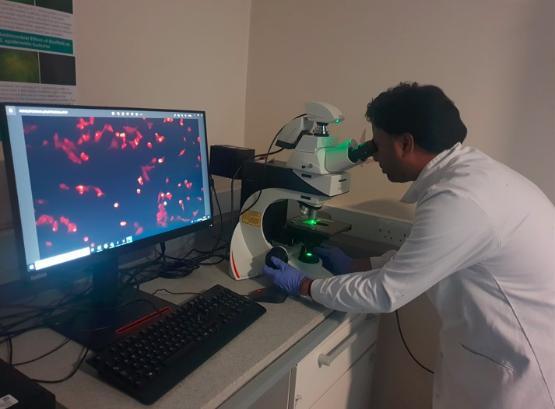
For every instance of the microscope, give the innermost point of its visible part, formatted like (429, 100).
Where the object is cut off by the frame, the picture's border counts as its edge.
(314, 173)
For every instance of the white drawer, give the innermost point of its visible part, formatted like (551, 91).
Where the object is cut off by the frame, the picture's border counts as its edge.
(332, 358)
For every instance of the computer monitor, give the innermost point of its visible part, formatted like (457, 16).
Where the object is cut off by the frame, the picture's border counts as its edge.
(90, 183)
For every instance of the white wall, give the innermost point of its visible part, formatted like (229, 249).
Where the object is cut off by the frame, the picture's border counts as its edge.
(494, 58)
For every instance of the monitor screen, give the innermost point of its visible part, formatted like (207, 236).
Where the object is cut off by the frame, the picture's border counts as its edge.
(94, 179)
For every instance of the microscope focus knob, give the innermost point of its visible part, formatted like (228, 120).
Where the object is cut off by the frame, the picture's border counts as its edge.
(278, 252)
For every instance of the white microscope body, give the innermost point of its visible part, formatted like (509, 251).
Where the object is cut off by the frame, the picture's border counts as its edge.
(314, 173)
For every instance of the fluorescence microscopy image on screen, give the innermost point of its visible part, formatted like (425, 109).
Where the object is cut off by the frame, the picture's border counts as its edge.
(103, 180)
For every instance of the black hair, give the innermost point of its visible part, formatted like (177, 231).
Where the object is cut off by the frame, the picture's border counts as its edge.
(421, 110)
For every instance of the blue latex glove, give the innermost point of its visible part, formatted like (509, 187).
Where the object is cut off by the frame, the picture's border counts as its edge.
(284, 276)
(334, 259)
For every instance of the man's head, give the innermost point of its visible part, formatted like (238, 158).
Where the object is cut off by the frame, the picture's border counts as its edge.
(411, 125)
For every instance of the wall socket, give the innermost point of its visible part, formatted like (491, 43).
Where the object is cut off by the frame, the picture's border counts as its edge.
(392, 231)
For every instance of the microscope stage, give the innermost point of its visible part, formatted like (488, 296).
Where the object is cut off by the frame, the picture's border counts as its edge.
(322, 227)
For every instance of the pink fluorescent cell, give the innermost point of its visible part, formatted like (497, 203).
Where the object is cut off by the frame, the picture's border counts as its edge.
(116, 204)
(123, 223)
(161, 160)
(189, 129)
(145, 170)
(99, 192)
(162, 216)
(85, 137)
(81, 124)
(44, 219)
(181, 152)
(68, 147)
(48, 243)
(138, 191)
(159, 138)
(63, 186)
(86, 239)
(149, 145)
(169, 196)
(84, 157)
(140, 180)
(81, 189)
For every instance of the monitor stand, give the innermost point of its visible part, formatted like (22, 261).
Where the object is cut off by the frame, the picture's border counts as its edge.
(110, 311)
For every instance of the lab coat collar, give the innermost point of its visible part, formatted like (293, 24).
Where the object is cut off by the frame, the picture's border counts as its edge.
(429, 175)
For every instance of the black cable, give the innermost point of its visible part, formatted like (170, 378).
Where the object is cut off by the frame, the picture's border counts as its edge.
(266, 161)
(37, 315)
(173, 292)
(65, 342)
(73, 371)
(220, 232)
(10, 349)
(407, 347)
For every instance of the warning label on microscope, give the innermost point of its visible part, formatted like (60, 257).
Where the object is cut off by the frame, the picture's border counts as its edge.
(252, 217)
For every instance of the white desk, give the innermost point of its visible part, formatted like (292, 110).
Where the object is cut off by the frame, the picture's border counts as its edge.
(233, 370)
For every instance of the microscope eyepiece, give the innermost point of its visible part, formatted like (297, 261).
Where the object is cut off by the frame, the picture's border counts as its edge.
(362, 152)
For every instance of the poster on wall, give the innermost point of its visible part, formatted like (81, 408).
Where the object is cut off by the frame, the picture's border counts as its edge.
(37, 60)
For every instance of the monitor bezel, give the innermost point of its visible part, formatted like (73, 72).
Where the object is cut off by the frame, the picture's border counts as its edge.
(77, 268)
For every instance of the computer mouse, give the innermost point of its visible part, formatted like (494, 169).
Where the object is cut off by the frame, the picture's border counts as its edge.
(272, 294)
(279, 252)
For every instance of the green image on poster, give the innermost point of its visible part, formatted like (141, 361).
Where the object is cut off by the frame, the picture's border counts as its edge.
(19, 66)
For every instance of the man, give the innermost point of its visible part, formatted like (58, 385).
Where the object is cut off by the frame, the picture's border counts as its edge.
(482, 246)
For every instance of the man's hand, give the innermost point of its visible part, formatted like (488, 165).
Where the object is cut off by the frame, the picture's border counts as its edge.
(334, 259)
(285, 276)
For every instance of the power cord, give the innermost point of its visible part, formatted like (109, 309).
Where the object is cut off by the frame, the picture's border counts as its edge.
(265, 156)
(407, 347)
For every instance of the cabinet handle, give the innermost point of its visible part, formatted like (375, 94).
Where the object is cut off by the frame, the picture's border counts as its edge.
(327, 359)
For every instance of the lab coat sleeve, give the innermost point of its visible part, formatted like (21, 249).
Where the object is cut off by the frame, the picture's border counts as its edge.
(379, 261)
(449, 233)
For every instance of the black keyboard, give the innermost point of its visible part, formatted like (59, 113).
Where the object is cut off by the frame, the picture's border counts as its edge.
(147, 364)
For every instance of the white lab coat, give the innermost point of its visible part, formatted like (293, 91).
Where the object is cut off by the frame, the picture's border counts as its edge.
(483, 247)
